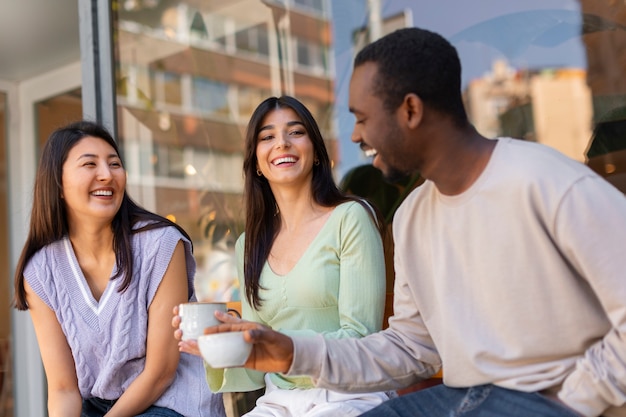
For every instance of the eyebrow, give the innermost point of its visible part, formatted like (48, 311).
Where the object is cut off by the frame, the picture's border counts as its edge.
(289, 124)
(93, 155)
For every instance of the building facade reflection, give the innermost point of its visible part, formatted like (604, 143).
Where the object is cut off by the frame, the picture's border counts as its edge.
(189, 75)
(190, 72)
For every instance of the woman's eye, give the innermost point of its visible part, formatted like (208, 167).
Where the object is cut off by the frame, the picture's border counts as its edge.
(268, 137)
(297, 133)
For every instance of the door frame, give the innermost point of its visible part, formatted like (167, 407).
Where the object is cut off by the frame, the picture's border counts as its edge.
(29, 385)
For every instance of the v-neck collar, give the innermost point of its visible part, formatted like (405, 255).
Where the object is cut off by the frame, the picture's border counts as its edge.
(308, 248)
(95, 306)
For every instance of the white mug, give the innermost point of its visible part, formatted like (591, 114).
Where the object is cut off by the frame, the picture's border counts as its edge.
(197, 316)
(224, 350)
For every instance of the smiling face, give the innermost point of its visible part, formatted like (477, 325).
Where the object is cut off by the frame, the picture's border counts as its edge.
(93, 180)
(284, 151)
(376, 129)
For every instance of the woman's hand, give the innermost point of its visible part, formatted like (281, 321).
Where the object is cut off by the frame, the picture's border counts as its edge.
(178, 333)
(186, 346)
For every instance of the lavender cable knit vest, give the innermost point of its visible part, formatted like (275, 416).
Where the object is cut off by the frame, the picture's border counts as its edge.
(108, 338)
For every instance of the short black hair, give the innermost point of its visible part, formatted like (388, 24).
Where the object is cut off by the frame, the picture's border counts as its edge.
(414, 60)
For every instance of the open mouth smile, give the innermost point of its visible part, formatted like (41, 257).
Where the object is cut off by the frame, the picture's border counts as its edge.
(104, 193)
(284, 160)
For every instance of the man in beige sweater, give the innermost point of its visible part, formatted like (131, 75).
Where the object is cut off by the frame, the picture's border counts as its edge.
(510, 261)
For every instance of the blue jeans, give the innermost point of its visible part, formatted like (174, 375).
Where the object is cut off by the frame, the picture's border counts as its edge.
(97, 407)
(480, 401)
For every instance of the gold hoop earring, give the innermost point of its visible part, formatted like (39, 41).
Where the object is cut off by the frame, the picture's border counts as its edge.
(259, 173)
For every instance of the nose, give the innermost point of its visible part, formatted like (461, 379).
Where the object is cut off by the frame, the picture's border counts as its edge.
(356, 136)
(104, 172)
(282, 141)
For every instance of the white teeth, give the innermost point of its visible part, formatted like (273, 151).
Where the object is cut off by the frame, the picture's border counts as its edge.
(371, 153)
(103, 193)
(284, 160)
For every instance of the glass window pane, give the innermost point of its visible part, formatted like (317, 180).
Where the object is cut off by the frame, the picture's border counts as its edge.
(190, 73)
(209, 96)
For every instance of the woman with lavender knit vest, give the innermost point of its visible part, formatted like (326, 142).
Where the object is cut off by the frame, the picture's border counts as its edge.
(100, 276)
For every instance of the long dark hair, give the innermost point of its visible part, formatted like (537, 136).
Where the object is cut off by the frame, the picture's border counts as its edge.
(48, 219)
(262, 223)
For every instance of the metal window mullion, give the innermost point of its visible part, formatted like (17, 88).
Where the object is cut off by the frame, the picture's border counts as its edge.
(97, 62)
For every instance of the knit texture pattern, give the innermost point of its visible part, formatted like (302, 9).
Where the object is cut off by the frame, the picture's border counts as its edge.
(108, 337)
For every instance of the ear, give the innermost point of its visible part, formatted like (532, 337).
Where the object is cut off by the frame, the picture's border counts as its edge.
(413, 109)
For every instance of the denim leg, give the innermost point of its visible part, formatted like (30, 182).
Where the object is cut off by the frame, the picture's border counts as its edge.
(437, 401)
(96, 407)
(480, 401)
(516, 403)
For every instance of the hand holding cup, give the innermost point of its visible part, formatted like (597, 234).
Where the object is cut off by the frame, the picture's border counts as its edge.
(272, 351)
(190, 319)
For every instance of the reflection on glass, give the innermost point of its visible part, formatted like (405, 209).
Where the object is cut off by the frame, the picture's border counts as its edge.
(189, 74)
(607, 151)
(570, 104)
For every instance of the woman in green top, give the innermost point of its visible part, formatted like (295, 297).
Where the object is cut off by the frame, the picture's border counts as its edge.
(313, 256)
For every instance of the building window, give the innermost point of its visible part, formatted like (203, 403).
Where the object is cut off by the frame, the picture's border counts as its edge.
(253, 39)
(210, 96)
(311, 56)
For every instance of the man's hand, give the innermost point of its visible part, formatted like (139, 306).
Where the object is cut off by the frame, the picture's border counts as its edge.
(271, 351)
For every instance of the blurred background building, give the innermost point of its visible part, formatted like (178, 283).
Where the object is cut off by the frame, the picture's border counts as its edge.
(176, 81)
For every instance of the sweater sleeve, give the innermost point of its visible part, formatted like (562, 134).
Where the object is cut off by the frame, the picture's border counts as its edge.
(339, 364)
(598, 381)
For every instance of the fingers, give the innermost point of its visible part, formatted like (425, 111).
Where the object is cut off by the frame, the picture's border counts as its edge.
(176, 318)
(232, 324)
(178, 334)
(189, 346)
(226, 317)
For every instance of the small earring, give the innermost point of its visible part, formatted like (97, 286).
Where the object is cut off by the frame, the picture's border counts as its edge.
(259, 173)
(316, 162)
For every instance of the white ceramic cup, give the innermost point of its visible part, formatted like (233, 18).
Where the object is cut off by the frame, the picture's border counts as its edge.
(196, 316)
(224, 350)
